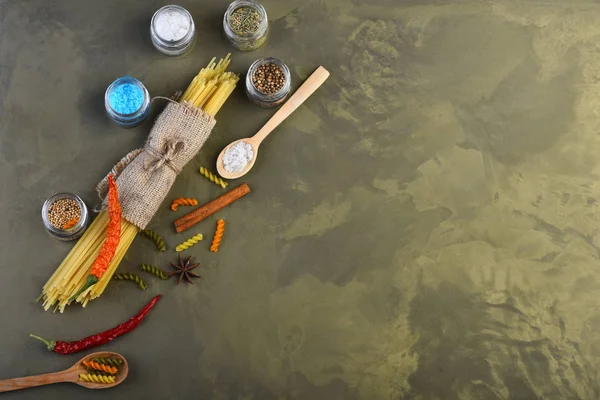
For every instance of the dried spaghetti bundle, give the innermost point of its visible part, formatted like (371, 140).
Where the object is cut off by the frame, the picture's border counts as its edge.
(144, 178)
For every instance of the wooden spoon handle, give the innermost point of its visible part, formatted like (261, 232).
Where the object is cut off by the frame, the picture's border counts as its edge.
(8, 385)
(308, 87)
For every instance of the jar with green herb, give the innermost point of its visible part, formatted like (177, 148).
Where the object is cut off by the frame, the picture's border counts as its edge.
(246, 25)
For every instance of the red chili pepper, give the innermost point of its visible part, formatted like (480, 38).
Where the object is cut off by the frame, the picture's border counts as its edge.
(101, 338)
(113, 236)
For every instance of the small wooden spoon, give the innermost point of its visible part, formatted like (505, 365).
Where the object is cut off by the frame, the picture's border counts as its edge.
(308, 87)
(68, 375)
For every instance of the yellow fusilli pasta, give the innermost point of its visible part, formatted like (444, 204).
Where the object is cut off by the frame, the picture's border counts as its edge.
(214, 247)
(96, 378)
(189, 243)
(213, 177)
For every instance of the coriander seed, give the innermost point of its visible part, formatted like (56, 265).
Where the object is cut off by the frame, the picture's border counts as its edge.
(65, 216)
(62, 211)
(268, 78)
(268, 82)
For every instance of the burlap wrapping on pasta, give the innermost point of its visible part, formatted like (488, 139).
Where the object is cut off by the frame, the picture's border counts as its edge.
(144, 177)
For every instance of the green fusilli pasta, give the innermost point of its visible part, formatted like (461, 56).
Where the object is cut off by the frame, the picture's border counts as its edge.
(154, 271)
(156, 238)
(114, 362)
(93, 371)
(127, 276)
(96, 378)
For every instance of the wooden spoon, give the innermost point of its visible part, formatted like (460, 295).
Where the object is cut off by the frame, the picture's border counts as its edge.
(308, 87)
(68, 375)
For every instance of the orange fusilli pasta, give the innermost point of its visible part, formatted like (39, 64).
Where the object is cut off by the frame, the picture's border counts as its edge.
(183, 201)
(214, 247)
(100, 367)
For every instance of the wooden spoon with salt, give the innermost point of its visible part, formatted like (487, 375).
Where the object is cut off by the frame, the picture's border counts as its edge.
(68, 375)
(308, 87)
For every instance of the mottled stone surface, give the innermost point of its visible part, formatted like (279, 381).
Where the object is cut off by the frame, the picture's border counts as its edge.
(424, 227)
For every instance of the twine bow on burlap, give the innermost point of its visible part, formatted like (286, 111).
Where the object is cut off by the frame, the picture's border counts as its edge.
(157, 159)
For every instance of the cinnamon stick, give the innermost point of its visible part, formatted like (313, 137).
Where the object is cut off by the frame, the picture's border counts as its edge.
(192, 218)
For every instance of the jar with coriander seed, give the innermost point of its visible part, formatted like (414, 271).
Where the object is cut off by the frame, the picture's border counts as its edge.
(268, 82)
(65, 216)
(246, 25)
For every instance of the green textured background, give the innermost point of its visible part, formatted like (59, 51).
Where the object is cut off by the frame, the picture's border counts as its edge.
(424, 227)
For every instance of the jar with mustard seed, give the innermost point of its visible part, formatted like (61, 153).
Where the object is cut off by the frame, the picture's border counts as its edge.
(65, 216)
(246, 25)
(268, 82)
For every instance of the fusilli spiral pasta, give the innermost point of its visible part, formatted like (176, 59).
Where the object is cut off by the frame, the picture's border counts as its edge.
(189, 243)
(115, 362)
(93, 371)
(96, 378)
(100, 367)
(183, 201)
(154, 271)
(156, 238)
(213, 177)
(127, 276)
(70, 223)
(214, 247)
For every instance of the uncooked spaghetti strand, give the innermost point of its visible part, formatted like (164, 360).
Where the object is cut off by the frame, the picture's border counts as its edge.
(53, 290)
(74, 253)
(193, 84)
(129, 233)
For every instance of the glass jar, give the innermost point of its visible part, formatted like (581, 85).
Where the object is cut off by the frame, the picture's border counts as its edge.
(268, 100)
(127, 102)
(73, 232)
(172, 30)
(250, 41)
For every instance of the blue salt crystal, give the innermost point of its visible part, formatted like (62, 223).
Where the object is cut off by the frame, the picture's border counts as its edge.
(126, 98)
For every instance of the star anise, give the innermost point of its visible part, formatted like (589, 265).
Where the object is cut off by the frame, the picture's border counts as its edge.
(184, 270)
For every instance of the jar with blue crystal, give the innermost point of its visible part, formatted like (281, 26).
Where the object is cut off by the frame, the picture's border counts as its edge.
(127, 102)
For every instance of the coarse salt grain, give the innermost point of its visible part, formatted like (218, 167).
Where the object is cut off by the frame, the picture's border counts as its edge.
(172, 25)
(237, 157)
(126, 98)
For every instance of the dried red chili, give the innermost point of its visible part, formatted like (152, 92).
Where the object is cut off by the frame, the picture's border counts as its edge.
(113, 236)
(60, 347)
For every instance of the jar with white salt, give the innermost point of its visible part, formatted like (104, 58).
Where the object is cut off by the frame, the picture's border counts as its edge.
(172, 30)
